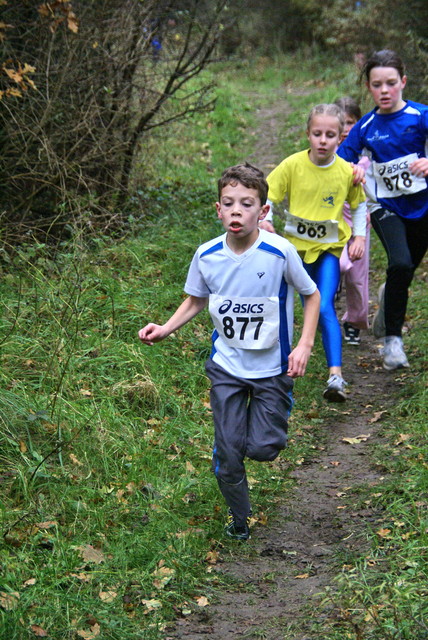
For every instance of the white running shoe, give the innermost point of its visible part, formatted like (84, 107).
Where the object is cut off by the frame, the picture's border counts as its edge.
(335, 391)
(378, 326)
(393, 353)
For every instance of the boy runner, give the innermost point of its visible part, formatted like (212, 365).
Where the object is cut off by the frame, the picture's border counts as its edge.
(247, 277)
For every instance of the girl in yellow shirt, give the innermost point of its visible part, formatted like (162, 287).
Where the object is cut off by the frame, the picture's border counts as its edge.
(317, 183)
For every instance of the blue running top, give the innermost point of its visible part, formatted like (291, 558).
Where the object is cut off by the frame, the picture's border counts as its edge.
(392, 142)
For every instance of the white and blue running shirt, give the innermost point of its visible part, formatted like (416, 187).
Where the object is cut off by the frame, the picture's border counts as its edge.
(392, 142)
(251, 302)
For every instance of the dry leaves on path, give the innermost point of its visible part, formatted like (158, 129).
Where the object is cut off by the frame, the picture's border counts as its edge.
(357, 439)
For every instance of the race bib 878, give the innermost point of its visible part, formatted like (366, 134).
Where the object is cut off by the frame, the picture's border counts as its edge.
(246, 322)
(394, 178)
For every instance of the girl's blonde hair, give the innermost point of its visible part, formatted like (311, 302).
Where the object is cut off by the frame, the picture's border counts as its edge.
(325, 109)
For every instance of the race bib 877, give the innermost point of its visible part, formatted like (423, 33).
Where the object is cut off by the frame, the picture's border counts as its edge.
(394, 178)
(246, 322)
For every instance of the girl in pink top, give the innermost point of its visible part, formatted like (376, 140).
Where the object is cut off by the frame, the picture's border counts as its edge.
(355, 275)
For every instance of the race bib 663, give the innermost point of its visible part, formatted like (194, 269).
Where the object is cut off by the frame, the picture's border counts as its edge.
(323, 231)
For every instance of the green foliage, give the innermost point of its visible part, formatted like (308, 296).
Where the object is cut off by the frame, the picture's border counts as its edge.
(70, 139)
(369, 26)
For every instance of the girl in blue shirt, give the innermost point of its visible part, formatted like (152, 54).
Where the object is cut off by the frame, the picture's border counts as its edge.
(394, 135)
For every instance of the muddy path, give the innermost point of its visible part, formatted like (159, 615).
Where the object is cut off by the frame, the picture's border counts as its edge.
(276, 580)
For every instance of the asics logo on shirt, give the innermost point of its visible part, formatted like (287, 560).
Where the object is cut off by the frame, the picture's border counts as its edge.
(240, 308)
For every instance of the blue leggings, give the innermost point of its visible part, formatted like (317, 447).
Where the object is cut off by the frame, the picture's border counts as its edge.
(325, 272)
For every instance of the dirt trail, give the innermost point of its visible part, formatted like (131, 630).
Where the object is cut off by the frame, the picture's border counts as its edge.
(311, 534)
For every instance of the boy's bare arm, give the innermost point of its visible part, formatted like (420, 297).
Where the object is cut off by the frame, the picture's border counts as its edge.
(298, 358)
(188, 309)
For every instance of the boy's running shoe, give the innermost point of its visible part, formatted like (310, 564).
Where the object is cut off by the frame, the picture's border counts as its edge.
(393, 354)
(335, 391)
(241, 533)
(379, 317)
(352, 334)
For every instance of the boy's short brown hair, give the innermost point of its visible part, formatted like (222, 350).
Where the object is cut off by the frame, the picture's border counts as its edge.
(247, 175)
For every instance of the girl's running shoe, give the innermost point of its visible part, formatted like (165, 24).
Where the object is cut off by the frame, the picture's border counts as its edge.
(352, 334)
(393, 354)
(335, 391)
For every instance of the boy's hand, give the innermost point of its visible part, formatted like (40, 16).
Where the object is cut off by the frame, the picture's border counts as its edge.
(152, 333)
(419, 167)
(359, 174)
(297, 361)
(356, 248)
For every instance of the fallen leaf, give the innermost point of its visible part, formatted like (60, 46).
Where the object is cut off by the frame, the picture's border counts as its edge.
(30, 582)
(74, 460)
(302, 576)
(372, 614)
(408, 535)
(72, 22)
(189, 467)
(261, 519)
(9, 601)
(107, 596)
(377, 416)
(212, 557)
(357, 440)
(119, 496)
(402, 438)
(86, 393)
(46, 525)
(91, 554)
(202, 601)
(383, 533)
(22, 447)
(162, 575)
(189, 497)
(334, 463)
(89, 635)
(38, 631)
(151, 605)
(83, 577)
(189, 532)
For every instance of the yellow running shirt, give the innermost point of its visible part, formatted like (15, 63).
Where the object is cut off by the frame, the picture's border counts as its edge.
(316, 195)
